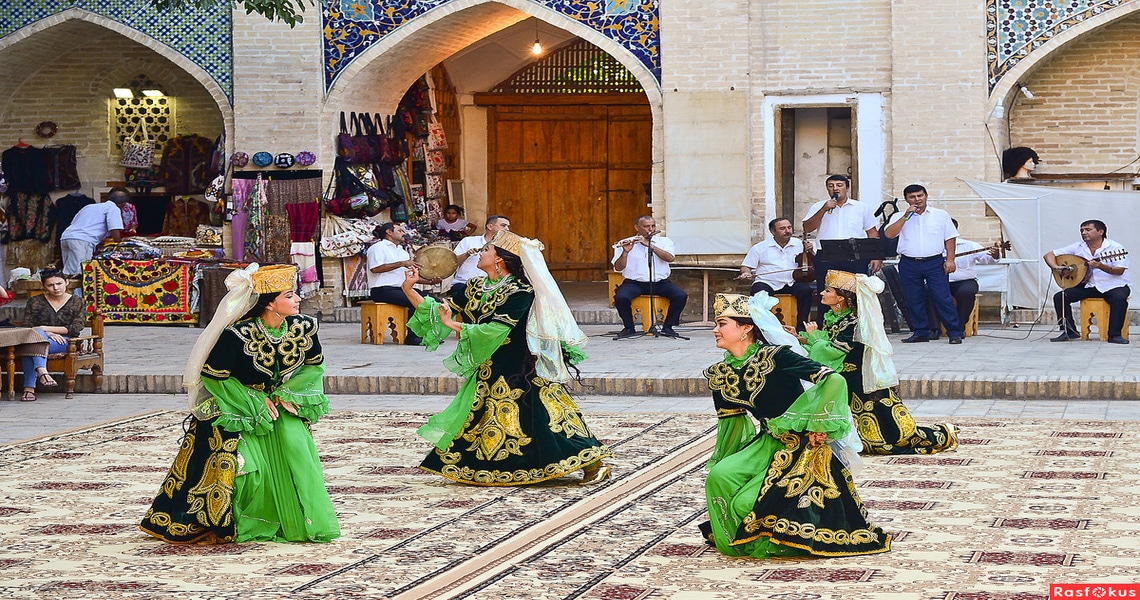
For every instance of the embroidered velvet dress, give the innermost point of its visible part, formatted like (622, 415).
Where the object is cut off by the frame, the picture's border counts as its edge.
(239, 475)
(506, 426)
(885, 425)
(769, 493)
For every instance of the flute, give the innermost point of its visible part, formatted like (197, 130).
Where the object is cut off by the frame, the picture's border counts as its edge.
(630, 240)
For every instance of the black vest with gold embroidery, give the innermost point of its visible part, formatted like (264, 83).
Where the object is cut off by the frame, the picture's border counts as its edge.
(765, 385)
(252, 355)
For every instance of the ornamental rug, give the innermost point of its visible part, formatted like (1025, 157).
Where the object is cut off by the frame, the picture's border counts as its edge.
(1020, 505)
(153, 292)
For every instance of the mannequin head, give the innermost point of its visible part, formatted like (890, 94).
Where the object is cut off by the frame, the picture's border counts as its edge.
(1017, 163)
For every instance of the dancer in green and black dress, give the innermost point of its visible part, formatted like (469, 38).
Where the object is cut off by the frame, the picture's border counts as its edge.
(853, 342)
(512, 422)
(782, 489)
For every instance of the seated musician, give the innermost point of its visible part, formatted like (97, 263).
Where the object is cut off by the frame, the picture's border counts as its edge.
(632, 260)
(772, 265)
(964, 280)
(1107, 278)
(387, 261)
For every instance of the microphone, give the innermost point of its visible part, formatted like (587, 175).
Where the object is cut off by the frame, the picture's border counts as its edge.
(834, 196)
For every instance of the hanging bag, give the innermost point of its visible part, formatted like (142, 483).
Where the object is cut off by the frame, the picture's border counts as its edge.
(436, 138)
(352, 144)
(138, 154)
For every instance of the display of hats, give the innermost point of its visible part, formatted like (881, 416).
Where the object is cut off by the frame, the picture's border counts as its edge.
(284, 160)
(306, 158)
(239, 159)
(262, 159)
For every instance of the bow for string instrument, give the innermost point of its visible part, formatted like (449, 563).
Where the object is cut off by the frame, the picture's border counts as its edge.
(1075, 270)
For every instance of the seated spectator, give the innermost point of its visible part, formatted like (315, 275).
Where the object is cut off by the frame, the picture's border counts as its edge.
(56, 315)
(452, 226)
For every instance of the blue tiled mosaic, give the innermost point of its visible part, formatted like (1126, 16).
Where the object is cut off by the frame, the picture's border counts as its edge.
(203, 36)
(352, 26)
(1015, 28)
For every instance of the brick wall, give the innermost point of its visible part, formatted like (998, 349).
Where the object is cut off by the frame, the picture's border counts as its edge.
(70, 84)
(1084, 116)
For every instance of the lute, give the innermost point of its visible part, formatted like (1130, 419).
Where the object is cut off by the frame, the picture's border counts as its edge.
(1075, 269)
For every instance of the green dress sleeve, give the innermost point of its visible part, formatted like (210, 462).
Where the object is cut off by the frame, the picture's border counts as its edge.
(822, 409)
(306, 390)
(239, 409)
(821, 350)
(732, 434)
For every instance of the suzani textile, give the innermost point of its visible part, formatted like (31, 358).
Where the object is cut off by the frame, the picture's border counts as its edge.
(140, 291)
(351, 27)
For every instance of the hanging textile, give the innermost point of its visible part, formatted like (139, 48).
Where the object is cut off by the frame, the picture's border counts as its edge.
(255, 227)
(276, 238)
(185, 167)
(303, 254)
(184, 215)
(31, 216)
(241, 190)
(303, 220)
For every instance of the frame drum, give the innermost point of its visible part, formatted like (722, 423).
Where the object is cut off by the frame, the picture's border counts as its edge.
(437, 261)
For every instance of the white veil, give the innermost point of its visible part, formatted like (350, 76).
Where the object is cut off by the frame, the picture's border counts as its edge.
(550, 324)
(237, 301)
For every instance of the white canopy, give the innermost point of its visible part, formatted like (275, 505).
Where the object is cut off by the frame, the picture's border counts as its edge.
(1037, 219)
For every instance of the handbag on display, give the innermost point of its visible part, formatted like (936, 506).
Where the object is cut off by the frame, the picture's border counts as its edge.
(433, 186)
(434, 162)
(351, 144)
(138, 154)
(436, 138)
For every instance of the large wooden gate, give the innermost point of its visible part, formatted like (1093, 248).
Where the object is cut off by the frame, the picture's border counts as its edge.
(572, 171)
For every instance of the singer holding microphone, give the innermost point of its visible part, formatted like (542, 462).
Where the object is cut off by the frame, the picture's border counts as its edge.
(927, 239)
(840, 218)
(633, 261)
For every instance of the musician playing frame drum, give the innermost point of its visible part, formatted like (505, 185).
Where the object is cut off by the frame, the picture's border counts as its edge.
(1095, 267)
(773, 267)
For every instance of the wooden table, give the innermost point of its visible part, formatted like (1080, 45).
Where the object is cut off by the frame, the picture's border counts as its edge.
(20, 341)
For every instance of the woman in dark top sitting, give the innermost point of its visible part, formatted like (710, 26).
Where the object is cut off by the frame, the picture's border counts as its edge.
(57, 316)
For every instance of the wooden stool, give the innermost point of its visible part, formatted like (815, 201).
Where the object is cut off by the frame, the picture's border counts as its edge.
(640, 305)
(378, 320)
(970, 327)
(1097, 308)
(785, 309)
(613, 280)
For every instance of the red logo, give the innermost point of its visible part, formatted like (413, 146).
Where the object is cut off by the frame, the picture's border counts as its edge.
(1096, 591)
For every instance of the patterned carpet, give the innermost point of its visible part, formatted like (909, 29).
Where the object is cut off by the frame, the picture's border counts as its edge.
(1020, 505)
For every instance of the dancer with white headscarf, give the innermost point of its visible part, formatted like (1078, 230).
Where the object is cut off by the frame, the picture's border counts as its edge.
(512, 422)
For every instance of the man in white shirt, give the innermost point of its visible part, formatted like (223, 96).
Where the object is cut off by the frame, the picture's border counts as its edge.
(91, 225)
(1108, 278)
(468, 250)
(387, 263)
(927, 238)
(632, 260)
(963, 281)
(840, 218)
(771, 265)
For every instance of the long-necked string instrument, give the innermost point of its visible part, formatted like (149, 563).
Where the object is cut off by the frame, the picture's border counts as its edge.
(801, 268)
(1075, 270)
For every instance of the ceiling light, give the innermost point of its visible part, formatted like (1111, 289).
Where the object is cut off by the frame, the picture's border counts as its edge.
(153, 93)
(123, 93)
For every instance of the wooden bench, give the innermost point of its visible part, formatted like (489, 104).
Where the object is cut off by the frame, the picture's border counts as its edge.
(378, 320)
(1096, 310)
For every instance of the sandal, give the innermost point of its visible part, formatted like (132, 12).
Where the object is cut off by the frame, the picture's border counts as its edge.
(29, 396)
(596, 476)
(46, 380)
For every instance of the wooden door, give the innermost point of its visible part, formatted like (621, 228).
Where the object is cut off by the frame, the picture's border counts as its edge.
(571, 176)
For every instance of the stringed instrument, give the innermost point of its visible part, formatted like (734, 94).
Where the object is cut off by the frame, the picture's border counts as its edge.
(805, 265)
(1075, 269)
(1005, 246)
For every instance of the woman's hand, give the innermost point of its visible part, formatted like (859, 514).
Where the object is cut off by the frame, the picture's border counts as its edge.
(273, 414)
(55, 337)
(411, 277)
(816, 439)
(791, 330)
(810, 326)
(445, 316)
(288, 406)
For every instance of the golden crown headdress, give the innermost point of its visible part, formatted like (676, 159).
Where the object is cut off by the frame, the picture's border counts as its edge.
(731, 305)
(841, 280)
(507, 241)
(274, 278)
